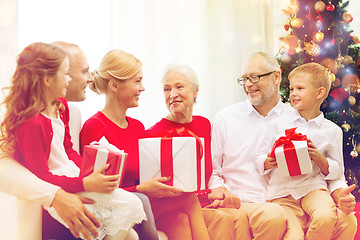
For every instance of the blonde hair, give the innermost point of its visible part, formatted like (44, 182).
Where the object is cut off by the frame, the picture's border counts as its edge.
(320, 76)
(116, 64)
(26, 96)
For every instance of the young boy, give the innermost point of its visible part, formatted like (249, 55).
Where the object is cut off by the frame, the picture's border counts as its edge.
(306, 197)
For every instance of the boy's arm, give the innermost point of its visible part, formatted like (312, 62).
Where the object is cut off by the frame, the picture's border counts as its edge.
(318, 158)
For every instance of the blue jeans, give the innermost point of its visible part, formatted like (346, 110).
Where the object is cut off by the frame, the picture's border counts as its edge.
(146, 229)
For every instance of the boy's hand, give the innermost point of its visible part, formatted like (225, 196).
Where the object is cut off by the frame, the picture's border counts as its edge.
(318, 158)
(221, 197)
(270, 162)
(98, 182)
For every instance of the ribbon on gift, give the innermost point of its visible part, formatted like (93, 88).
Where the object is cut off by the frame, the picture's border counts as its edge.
(104, 147)
(166, 153)
(292, 160)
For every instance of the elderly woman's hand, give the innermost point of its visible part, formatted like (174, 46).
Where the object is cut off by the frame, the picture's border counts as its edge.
(155, 188)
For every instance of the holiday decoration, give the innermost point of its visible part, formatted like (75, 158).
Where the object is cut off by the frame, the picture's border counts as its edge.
(323, 35)
(347, 17)
(348, 60)
(319, 6)
(296, 22)
(319, 36)
(352, 100)
(330, 7)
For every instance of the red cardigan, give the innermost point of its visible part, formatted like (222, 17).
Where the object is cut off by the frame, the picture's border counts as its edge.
(202, 128)
(33, 143)
(123, 138)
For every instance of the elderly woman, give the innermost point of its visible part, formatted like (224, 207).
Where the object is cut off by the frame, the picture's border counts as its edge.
(181, 88)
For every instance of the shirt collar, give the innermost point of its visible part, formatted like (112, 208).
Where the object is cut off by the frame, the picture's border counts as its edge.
(276, 111)
(317, 121)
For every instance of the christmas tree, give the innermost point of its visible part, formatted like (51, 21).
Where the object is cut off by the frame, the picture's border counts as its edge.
(319, 31)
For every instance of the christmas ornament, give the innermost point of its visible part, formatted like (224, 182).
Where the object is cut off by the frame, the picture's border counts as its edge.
(356, 39)
(332, 77)
(332, 42)
(291, 42)
(319, 6)
(330, 7)
(347, 17)
(339, 94)
(346, 127)
(312, 49)
(330, 64)
(296, 22)
(319, 36)
(337, 82)
(299, 48)
(350, 80)
(286, 27)
(352, 100)
(354, 153)
(339, 60)
(347, 60)
(358, 147)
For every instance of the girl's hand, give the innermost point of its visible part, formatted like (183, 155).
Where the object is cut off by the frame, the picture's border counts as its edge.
(98, 182)
(155, 188)
(270, 162)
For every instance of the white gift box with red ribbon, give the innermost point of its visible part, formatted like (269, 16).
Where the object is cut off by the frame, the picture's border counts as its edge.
(177, 157)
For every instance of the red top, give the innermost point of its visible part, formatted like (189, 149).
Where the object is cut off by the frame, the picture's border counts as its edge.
(123, 138)
(202, 128)
(33, 143)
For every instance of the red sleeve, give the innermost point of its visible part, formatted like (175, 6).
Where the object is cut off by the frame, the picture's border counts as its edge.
(68, 145)
(92, 130)
(33, 142)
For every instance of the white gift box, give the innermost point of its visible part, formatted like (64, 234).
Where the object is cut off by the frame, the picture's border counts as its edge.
(184, 162)
(302, 164)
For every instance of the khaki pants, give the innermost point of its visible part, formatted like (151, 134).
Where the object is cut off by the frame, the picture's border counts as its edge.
(317, 213)
(226, 224)
(267, 221)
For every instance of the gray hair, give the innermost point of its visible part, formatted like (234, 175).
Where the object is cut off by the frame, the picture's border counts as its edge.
(270, 62)
(185, 70)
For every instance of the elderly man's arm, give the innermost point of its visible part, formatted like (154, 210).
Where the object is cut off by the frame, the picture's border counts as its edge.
(15, 179)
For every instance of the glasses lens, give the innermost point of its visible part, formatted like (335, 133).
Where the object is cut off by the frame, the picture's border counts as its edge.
(254, 78)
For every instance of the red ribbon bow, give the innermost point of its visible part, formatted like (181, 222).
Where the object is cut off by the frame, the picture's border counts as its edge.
(290, 156)
(166, 153)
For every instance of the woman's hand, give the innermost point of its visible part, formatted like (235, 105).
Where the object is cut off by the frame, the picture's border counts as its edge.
(155, 188)
(98, 182)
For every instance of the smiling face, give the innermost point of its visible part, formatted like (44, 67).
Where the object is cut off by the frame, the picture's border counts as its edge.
(303, 93)
(59, 83)
(266, 89)
(80, 75)
(179, 93)
(129, 90)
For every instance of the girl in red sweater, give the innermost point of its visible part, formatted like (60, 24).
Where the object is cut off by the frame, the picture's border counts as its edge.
(35, 131)
(119, 77)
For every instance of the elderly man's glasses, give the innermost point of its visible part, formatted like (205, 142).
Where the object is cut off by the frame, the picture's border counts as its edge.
(252, 78)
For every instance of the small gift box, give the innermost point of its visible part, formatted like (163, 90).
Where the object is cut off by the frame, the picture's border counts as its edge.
(291, 153)
(98, 154)
(176, 156)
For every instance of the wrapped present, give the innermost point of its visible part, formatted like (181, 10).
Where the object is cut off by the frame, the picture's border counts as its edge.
(178, 155)
(98, 154)
(291, 153)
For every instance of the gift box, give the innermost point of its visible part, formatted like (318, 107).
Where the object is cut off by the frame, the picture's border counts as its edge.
(291, 153)
(98, 154)
(181, 158)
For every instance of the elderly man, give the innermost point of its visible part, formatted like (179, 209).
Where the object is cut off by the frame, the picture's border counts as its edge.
(236, 131)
